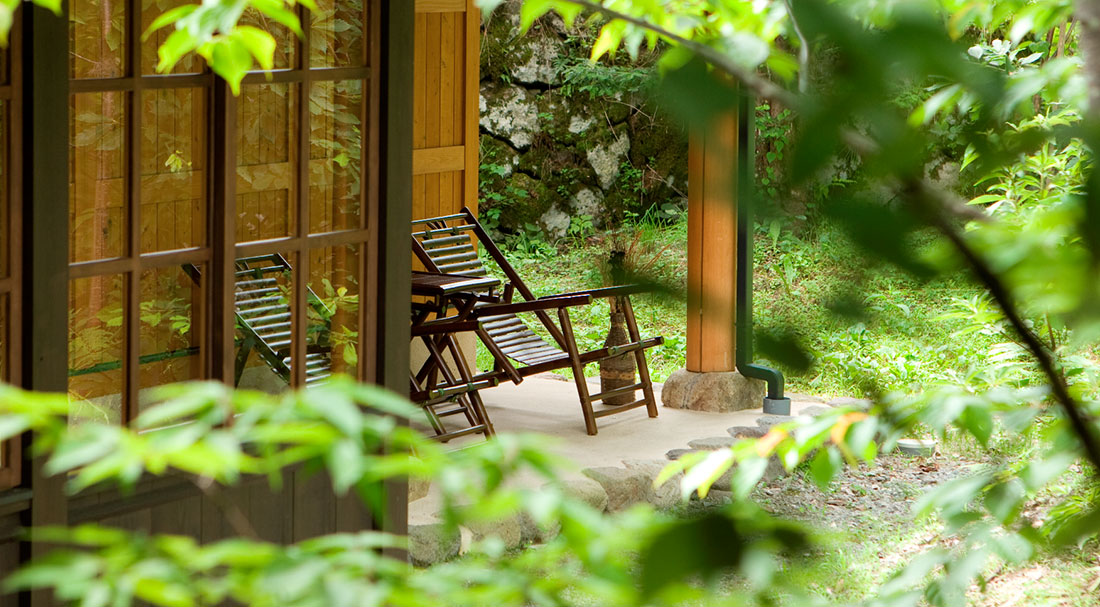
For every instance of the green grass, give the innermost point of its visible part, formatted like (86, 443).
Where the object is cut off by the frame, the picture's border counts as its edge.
(899, 342)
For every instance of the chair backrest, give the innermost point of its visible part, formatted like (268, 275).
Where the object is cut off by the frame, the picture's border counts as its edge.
(448, 244)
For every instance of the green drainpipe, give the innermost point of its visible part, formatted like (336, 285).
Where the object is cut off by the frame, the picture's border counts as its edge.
(774, 401)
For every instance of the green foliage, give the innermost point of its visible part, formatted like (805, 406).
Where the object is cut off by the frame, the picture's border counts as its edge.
(598, 80)
(213, 31)
(772, 138)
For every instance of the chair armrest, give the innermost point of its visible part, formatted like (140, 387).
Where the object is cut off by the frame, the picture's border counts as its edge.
(445, 326)
(543, 303)
(617, 291)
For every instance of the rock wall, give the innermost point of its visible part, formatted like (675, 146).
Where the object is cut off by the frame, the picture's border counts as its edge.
(559, 141)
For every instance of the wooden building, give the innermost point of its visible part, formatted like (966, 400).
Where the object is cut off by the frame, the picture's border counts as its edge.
(127, 198)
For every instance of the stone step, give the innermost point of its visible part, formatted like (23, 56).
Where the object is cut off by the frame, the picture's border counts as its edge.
(713, 443)
(746, 431)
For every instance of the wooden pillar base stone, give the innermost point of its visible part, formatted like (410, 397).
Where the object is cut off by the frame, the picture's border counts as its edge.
(718, 391)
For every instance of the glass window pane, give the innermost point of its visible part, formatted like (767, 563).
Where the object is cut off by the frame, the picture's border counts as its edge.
(286, 42)
(150, 10)
(336, 113)
(267, 161)
(97, 169)
(173, 169)
(96, 330)
(333, 327)
(96, 38)
(264, 302)
(337, 38)
(169, 338)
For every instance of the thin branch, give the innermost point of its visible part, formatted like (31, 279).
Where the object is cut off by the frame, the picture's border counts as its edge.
(1083, 427)
(762, 87)
(803, 50)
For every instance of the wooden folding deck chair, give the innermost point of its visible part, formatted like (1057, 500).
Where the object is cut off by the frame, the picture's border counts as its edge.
(448, 245)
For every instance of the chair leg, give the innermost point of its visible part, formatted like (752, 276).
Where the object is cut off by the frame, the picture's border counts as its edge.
(639, 357)
(241, 361)
(578, 370)
(476, 404)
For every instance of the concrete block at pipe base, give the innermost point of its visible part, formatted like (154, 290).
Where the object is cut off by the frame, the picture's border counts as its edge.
(719, 392)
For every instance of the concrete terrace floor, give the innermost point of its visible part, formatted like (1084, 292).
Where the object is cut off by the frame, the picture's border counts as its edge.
(548, 405)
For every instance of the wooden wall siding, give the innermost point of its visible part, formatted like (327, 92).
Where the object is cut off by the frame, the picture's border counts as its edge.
(304, 507)
(445, 107)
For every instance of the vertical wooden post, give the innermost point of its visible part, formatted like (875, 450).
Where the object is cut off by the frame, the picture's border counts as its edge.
(46, 252)
(712, 247)
(393, 216)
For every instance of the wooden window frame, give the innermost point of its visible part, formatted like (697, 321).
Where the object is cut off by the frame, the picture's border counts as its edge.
(11, 285)
(216, 334)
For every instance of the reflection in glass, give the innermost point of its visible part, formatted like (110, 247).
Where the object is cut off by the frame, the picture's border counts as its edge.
(337, 38)
(169, 338)
(266, 161)
(173, 169)
(285, 40)
(96, 40)
(336, 144)
(333, 330)
(263, 301)
(97, 170)
(150, 10)
(96, 330)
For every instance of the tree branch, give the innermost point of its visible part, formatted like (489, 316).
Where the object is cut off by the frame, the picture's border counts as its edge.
(930, 203)
(762, 87)
(803, 50)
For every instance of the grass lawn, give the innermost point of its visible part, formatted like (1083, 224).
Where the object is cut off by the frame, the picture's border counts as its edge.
(902, 338)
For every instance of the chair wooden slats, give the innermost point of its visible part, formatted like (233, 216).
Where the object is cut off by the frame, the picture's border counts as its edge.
(448, 245)
(263, 316)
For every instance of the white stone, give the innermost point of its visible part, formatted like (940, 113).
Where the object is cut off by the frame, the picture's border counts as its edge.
(510, 116)
(606, 160)
(587, 202)
(624, 487)
(579, 124)
(555, 222)
(540, 67)
(667, 494)
(587, 491)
